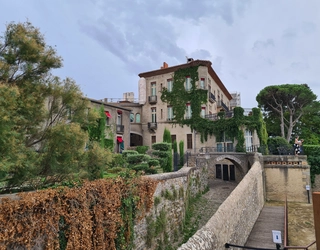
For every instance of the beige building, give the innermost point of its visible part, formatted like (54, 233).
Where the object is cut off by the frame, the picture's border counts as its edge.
(150, 116)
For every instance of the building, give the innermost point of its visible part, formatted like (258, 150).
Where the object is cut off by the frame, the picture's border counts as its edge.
(117, 123)
(149, 115)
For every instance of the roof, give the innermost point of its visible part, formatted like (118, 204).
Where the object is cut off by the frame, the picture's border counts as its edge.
(208, 64)
(108, 105)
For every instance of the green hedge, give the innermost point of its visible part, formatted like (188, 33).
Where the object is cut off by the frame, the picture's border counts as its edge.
(126, 153)
(142, 149)
(137, 158)
(161, 146)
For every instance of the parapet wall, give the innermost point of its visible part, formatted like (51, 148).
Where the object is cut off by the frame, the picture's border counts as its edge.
(286, 176)
(235, 218)
(165, 220)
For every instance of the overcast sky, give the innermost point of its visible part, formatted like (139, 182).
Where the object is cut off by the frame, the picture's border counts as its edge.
(105, 44)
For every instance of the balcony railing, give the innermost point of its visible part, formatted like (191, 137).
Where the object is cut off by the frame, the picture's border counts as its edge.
(120, 128)
(152, 99)
(212, 98)
(152, 125)
(220, 104)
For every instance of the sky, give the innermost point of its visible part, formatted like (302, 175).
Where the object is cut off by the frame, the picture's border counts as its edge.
(105, 44)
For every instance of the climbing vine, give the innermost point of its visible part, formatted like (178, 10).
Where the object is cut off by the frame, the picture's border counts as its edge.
(232, 128)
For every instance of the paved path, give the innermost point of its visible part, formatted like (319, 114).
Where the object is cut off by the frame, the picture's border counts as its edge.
(270, 218)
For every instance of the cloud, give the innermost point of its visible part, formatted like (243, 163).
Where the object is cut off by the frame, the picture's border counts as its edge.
(260, 45)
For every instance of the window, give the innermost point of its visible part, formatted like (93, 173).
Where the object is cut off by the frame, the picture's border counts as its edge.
(153, 139)
(153, 88)
(119, 119)
(188, 111)
(203, 112)
(131, 117)
(137, 117)
(108, 117)
(161, 114)
(189, 141)
(209, 88)
(173, 138)
(224, 143)
(169, 85)
(169, 113)
(153, 115)
(188, 83)
(202, 86)
(248, 140)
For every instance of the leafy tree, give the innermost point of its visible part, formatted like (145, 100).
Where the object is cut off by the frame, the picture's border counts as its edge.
(287, 103)
(308, 126)
(43, 119)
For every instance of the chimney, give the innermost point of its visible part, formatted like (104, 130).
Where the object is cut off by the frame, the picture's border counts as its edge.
(165, 65)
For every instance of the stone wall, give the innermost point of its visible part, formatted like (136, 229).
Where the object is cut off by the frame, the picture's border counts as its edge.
(286, 176)
(316, 186)
(234, 220)
(163, 223)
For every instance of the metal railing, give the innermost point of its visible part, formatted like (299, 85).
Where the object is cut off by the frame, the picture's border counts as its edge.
(153, 99)
(212, 98)
(120, 128)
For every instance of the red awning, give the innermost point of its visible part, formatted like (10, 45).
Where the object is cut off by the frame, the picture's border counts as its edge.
(107, 114)
(119, 111)
(119, 139)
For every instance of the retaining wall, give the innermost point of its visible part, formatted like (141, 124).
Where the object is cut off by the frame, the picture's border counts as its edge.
(235, 218)
(163, 224)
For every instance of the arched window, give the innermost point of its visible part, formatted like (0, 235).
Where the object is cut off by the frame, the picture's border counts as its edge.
(137, 118)
(131, 117)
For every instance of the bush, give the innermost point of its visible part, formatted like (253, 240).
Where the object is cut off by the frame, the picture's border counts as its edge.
(142, 149)
(275, 142)
(161, 146)
(137, 158)
(126, 153)
(153, 162)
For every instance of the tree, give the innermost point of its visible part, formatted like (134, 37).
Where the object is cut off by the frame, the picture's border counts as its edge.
(44, 120)
(287, 103)
(308, 126)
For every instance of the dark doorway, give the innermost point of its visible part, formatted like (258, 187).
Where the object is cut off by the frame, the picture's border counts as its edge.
(225, 172)
(232, 173)
(218, 171)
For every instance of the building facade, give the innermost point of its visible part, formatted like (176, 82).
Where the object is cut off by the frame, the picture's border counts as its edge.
(117, 123)
(150, 116)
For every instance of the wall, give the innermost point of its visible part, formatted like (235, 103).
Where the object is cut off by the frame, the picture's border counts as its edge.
(233, 221)
(288, 176)
(164, 222)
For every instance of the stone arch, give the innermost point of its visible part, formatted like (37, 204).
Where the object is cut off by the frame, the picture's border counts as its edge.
(236, 162)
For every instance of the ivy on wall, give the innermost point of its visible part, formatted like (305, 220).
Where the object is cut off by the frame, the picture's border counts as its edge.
(230, 127)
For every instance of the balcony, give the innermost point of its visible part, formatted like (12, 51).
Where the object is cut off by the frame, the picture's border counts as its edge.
(170, 119)
(212, 98)
(120, 129)
(152, 99)
(152, 125)
(220, 104)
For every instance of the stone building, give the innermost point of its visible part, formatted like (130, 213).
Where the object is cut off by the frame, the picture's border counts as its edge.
(150, 115)
(117, 123)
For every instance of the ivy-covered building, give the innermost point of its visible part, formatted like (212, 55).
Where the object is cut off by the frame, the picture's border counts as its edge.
(117, 123)
(191, 101)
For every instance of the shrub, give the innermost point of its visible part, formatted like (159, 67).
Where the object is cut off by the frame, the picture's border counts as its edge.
(161, 146)
(137, 158)
(153, 162)
(125, 153)
(275, 142)
(142, 149)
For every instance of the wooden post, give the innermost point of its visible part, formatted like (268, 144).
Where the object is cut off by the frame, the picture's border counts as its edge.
(316, 214)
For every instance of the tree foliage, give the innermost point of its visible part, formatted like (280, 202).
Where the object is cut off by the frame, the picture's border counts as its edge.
(287, 103)
(43, 119)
